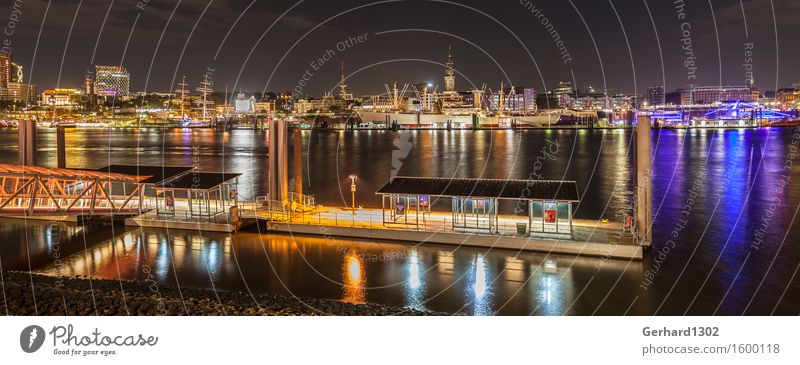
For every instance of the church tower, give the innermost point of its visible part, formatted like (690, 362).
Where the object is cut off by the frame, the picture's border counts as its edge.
(449, 73)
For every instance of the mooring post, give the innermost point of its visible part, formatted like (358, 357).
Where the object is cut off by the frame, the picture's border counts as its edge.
(644, 207)
(27, 142)
(61, 147)
(298, 163)
(278, 161)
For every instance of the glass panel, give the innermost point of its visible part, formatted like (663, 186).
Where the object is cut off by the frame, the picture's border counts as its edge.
(550, 217)
(166, 203)
(537, 213)
(563, 217)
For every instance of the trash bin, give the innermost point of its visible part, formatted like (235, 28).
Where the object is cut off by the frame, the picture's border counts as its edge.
(522, 229)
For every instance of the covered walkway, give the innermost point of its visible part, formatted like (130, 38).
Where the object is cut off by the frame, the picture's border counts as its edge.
(540, 206)
(111, 190)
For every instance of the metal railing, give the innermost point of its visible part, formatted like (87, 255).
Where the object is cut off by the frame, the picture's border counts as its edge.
(374, 220)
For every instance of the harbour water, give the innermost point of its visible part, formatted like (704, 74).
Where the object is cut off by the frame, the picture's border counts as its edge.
(724, 203)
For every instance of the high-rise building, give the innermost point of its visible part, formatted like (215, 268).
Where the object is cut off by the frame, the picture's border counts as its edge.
(11, 86)
(88, 89)
(18, 92)
(529, 97)
(6, 62)
(112, 81)
(16, 72)
(565, 94)
(655, 96)
(449, 72)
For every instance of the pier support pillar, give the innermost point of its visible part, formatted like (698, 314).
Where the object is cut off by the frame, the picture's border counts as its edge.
(298, 161)
(27, 142)
(643, 185)
(278, 161)
(61, 147)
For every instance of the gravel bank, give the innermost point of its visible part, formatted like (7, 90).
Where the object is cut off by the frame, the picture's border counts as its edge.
(78, 296)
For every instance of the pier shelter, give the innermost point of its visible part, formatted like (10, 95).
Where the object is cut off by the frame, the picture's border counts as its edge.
(539, 206)
(206, 194)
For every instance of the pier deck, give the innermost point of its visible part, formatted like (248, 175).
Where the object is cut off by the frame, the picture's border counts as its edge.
(589, 238)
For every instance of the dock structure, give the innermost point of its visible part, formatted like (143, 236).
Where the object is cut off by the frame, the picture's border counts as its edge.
(42, 191)
(474, 203)
(588, 238)
(153, 196)
(542, 221)
(206, 201)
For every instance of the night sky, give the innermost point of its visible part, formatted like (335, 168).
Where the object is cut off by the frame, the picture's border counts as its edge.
(624, 45)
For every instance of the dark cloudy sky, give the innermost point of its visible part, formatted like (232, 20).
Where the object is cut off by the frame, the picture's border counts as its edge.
(493, 40)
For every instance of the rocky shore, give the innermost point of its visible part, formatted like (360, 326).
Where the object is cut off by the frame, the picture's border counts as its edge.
(79, 296)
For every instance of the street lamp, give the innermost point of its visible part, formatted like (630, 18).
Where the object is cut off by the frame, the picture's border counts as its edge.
(353, 191)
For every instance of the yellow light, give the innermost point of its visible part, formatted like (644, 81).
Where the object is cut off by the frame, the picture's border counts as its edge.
(353, 271)
(354, 279)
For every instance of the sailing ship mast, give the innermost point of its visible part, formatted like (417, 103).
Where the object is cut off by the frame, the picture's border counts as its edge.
(182, 91)
(205, 90)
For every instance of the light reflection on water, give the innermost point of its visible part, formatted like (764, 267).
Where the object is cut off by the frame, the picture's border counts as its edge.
(426, 278)
(354, 279)
(742, 171)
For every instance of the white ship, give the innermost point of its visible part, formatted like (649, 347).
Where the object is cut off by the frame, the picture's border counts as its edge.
(467, 121)
(450, 109)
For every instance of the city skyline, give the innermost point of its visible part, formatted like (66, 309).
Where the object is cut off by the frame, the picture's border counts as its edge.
(520, 43)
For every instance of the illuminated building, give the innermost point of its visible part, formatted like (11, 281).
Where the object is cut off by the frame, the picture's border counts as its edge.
(112, 81)
(5, 69)
(11, 86)
(16, 72)
(529, 99)
(516, 100)
(265, 107)
(714, 94)
(19, 92)
(655, 95)
(245, 105)
(88, 88)
(449, 73)
(788, 97)
(324, 105)
(62, 98)
(564, 94)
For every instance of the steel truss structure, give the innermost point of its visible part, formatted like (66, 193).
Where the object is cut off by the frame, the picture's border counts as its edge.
(31, 190)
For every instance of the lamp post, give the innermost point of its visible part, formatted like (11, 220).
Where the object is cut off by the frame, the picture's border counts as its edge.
(353, 191)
